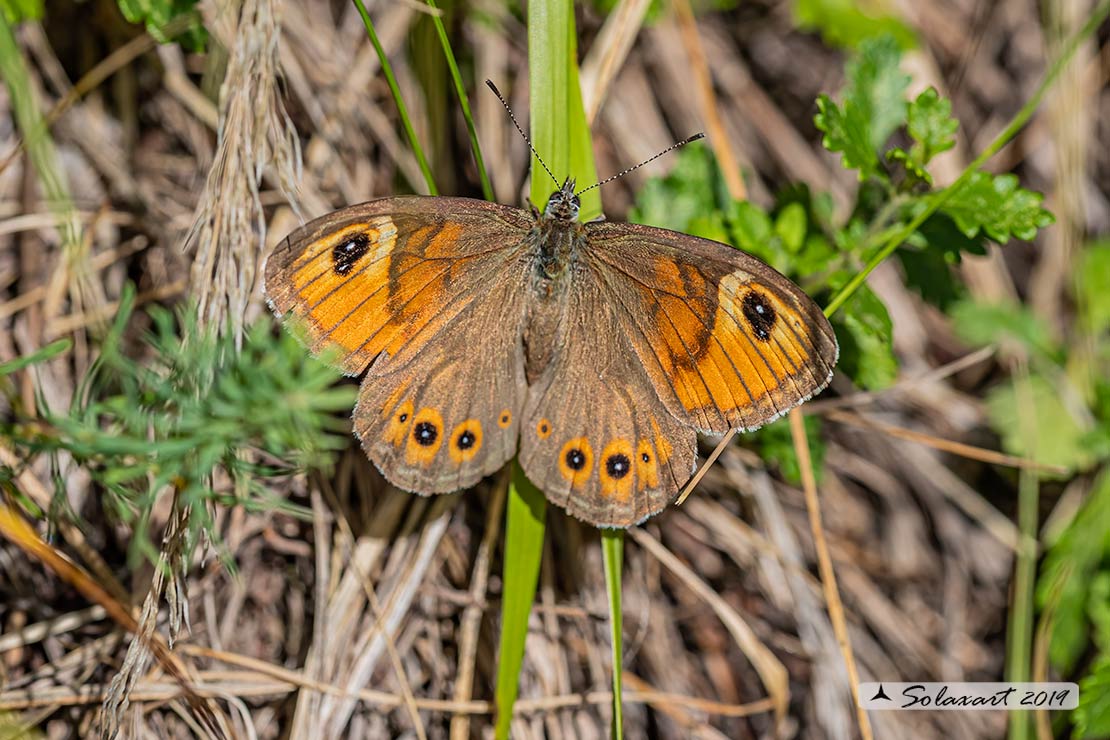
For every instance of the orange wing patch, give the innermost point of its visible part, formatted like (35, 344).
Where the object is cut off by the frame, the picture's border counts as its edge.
(425, 438)
(466, 441)
(745, 360)
(647, 466)
(576, 461)
(616, 470)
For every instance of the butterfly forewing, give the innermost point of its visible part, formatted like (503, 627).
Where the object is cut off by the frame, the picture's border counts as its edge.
(727, 342)
(429, 293)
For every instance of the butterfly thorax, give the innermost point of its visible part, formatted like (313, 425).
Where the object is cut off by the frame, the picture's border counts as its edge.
(557, 238)
(558, 234)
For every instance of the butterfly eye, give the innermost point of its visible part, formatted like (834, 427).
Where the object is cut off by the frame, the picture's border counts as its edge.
(759, 313)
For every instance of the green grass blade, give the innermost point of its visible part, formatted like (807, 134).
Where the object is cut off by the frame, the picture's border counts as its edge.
(401, 109)
(558, 123)
(464, 101)
(524, 529)
(612, 548)
(938, 199)
(41, 355)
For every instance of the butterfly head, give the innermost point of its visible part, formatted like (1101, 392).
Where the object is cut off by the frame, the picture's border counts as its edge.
(563, 204)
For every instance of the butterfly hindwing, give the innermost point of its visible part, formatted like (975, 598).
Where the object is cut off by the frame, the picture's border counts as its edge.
(594, 437)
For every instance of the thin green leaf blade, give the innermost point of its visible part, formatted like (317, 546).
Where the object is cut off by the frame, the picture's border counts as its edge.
(612, 550)
(524, 531)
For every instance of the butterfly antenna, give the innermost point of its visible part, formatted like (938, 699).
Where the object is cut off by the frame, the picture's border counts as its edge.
(622, 173)
(523, 135)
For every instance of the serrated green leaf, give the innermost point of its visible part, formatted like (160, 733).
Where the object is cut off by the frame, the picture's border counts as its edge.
(847, 23)
(865, 331)
(873, 107)
(931, 125)
(997, 206)
(847, 134)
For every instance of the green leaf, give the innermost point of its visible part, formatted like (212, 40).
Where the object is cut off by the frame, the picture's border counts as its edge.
(928, 273)
(1068, 572)
(864, 329)
(524, 531)
(50, 351)
(847, 23)
(612, 550)
(1093, 287)
(1092, 716)
(156, 14)
(1060, 438)
(790, 226)
(931, 125)
(997, 206)
(873, 106)
(558, 119)
(776, 446)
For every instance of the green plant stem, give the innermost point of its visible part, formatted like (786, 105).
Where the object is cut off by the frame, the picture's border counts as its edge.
(464, 101)
(401, 109)
(612, 549)
(1019, 632)
(938, 199)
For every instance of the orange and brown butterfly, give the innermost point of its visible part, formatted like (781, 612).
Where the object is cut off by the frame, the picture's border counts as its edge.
(596, 351)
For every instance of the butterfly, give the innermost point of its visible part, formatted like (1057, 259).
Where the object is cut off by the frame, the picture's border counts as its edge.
(595, 351)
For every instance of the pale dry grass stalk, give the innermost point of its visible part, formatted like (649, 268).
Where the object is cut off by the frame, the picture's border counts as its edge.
(255, 134)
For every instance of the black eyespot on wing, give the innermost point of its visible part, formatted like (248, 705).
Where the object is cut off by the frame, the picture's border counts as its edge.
(465, 440)
(645, 457)
(576, 459)
(759, 313)
(425, 433)
(403, 417)
(618, 465)
(348, 252)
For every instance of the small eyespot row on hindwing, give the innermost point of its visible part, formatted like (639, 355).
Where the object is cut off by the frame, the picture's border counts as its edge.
(347, 253)
(759, 313)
